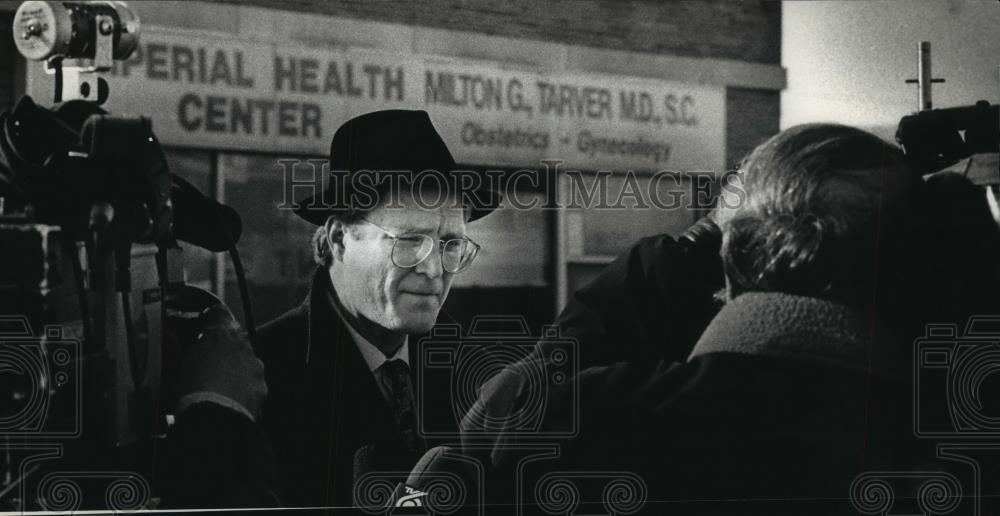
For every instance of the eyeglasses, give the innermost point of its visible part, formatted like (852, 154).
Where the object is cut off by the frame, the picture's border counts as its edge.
(410, 249)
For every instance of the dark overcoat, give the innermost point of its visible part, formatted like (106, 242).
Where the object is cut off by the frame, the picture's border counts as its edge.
(782, 403)
(325, 416)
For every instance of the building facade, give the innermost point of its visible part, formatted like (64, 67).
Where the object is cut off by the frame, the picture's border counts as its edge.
(603, 121)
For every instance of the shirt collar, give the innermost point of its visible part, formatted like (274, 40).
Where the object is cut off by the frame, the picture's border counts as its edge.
(373, 357)
(789, 326)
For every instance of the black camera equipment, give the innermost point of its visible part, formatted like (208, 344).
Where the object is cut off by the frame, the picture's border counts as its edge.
(90, 323)
(964, 139)
(935, 139)
(76, 39)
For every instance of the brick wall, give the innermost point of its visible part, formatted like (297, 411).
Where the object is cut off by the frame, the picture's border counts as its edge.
(11, 65)
(745, 30)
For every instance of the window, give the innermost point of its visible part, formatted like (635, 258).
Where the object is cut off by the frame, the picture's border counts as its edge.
(516, 247)
(274, 246)
(602, 217)
(192, 264)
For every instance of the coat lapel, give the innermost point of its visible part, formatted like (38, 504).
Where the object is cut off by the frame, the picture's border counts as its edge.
(345, 409)
(326, 404)
(339, 378)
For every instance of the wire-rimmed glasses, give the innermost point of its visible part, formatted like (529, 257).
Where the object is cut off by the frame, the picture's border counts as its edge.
(410, 249)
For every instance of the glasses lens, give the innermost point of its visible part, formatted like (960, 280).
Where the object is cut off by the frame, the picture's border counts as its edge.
(458, 254)
(411, 249)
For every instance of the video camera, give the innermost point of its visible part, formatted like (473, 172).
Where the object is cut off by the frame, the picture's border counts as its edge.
(90, 323)
(936, 139)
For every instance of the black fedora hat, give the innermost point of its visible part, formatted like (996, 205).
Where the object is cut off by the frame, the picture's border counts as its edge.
(395, 140)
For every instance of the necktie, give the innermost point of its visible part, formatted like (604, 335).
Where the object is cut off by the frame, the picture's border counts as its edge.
(396, 380)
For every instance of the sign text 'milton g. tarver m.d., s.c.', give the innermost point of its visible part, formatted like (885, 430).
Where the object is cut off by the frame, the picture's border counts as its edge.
(206, 91)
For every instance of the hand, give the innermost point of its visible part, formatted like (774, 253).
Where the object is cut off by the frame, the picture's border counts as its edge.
(221, 365)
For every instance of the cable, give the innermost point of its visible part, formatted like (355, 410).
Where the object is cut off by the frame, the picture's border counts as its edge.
(133, 361)
(123, 284)
(81, 294)
(56, 63)
(241, 281)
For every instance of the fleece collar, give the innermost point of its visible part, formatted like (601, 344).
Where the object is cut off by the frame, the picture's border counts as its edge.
(799, 328)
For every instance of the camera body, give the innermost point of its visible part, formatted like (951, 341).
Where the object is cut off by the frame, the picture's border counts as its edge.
(936, 138)
(115, 366)
(87, 214)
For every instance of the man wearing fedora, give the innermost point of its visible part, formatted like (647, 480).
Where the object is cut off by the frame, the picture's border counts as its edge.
(340, 367)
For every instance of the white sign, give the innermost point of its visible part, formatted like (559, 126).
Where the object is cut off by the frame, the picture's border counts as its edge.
(207, 91)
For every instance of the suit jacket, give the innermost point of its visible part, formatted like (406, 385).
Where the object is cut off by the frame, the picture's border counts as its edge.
(325, 415)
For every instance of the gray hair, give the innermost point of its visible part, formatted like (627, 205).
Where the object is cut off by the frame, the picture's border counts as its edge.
(811, 217)
(320, 243)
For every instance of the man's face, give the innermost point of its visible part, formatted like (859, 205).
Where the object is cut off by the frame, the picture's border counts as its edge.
(404, 300)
